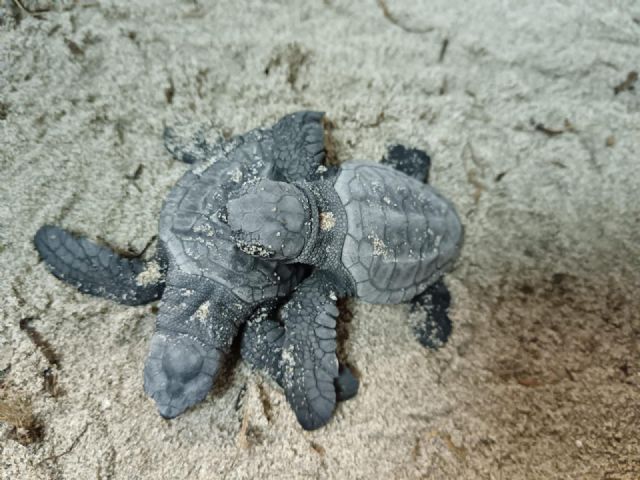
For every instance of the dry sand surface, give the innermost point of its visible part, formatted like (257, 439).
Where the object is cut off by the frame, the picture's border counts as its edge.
(530, 138)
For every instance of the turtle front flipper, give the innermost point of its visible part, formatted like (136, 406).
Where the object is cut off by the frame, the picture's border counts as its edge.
(432, 324)
(298, 146)
(197, 321)
(410, 161)
(98, 270)
(294, 145)
(309, 350)
(262, 342)
(179, 371)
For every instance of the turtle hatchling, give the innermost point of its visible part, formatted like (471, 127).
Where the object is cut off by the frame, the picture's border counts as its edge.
(374, 231)
(207, 287)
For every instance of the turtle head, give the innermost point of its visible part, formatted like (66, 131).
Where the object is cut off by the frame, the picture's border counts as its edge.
(179, 372)
(271, 220)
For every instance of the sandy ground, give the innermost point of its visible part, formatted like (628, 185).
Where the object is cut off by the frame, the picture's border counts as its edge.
(541, 378)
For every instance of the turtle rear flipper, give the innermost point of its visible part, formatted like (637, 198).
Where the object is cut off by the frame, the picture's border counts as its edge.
(410, 161)
(298, 143)
(98, 270)
(309, 351)
(261, 346)
(433, 325)
(347, 384)
(262, 342)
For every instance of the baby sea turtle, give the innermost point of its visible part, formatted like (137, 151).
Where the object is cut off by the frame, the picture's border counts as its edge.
(372, 231)
(208, 288)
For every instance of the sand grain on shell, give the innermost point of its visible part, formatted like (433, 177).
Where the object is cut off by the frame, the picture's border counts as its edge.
(327, 221)
(150, 275)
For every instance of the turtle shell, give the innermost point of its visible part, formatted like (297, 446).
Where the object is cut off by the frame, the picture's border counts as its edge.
(193, 228)
(401, 233)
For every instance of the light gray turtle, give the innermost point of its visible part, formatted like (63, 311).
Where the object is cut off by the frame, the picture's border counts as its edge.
(371, 231)
(207, 286)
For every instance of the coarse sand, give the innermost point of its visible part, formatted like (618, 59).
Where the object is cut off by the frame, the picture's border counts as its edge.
(530, 113)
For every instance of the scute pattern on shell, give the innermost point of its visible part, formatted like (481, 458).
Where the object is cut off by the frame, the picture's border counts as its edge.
(397, 229)
(197, 238)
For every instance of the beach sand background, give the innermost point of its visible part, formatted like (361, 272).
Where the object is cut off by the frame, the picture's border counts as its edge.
(517, 103)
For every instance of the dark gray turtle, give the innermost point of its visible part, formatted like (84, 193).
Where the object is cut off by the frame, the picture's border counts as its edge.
(371, 231)
(207, 286)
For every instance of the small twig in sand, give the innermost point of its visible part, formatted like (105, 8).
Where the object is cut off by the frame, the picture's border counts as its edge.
(444, 86)
(263, 395)
(472, 173)
(550, 132)
(293, 57)
(568, 128)
(69, 449)
(41, 343)
(330, 147)
(33, 12)
(242, 440)
(319, 449)
(443, 50)
(136, 175)
(393, 19)
(145, 248)
(50, 382)
(376, 123)
(74, 48)
(445, 437)
(627, 84)
(240, 397)
(169, 92)
(16, 293)
(610, 141)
